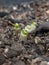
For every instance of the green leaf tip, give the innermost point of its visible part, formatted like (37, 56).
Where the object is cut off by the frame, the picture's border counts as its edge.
(35, 23)
(24, 32)
(28, 27)
(16, 25)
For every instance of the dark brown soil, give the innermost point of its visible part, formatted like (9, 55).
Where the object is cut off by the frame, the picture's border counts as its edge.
(33, 51)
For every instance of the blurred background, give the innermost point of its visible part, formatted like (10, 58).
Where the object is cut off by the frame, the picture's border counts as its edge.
(9, 2)
(14, 2)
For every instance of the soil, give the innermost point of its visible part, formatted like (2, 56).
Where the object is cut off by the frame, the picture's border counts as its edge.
(34, 50)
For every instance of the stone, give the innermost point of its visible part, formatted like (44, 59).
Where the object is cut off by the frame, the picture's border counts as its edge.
(43, 63)
(37, 40)
(2, 59)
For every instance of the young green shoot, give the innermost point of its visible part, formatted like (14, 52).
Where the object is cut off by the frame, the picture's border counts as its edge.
(28, 28)
(23, 35)
(33, 26)
(16, 26)
(24, 32)
(34, 23)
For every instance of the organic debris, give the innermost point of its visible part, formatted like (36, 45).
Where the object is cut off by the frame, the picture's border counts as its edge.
(24, 33)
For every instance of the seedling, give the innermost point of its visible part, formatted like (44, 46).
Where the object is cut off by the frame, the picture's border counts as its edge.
(23, 35)
(16, 26)
(33, 26)
(28, 28)
(34, 23)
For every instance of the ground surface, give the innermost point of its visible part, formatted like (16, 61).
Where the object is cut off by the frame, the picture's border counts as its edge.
(33, 51)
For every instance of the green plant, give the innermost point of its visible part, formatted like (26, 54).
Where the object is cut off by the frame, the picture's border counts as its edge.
(23, 35)
(16, 26)
(24, 32)
(34, 23)
(28, 28)
(33, 26)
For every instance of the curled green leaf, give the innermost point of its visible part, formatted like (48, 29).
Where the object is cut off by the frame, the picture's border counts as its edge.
(24, 32)
(16, 26)
(34, 23)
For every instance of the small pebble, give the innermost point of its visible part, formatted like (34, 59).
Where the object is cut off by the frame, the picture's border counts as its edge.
(47, 11)
(6, 50)
(37, 40)
(43, 63)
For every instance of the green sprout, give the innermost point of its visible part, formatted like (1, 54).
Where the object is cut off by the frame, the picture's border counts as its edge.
(33, 26)
(23, 35)
(24, 32)
(16, 26)
(34, 23)
(28, 28)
